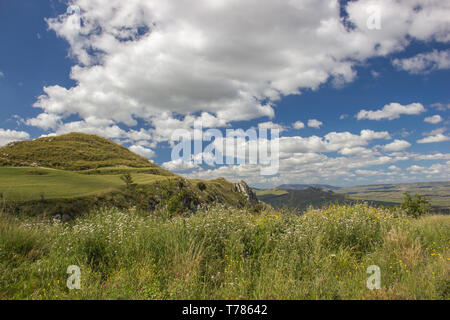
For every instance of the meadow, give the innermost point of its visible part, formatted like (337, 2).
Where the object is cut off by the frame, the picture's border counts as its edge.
(25, 184)
(223, 253)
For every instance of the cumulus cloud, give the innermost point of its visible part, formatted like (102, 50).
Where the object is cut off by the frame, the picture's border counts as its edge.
(331, 142)
(397, 145)
(179, 165)
(425, 62)
(391, 111)
(313, 123)
(271, 125)
(142, 151)
(434, 138)
(139, 59)
(7, 136)
(434, 119)
(45, 121)
(298, 125)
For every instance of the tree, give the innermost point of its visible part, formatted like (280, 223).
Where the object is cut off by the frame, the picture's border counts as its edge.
(128, 181)
(416, 206)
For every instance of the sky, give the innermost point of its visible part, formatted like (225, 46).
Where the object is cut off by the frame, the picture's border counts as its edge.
(359, 90)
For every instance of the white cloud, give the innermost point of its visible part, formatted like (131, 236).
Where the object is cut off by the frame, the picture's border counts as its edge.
(436, 138)
(203, 56)
(391, 111)
(142, 151)
(397, 145)
(298, 125)
(313, 123)
(441, 106)
(425, 62)
(271, 125)
(434, 119)
(415, 168)
(367, 172)
(179, 165)
(331, 142)
(1, 74)
(435, 132)
(45, 121)
(7, 136)
(435, 156)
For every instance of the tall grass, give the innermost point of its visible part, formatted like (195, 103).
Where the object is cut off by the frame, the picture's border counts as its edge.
(228, 254)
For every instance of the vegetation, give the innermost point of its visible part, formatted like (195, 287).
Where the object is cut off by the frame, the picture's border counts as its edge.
(25, 184)
(74, 151)
(227, 254)
(416, 207)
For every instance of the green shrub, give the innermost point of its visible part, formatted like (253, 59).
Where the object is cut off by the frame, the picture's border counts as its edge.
(416, 206)
(201, 186)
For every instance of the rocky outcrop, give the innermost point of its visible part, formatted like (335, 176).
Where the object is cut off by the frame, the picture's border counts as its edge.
(243, 188)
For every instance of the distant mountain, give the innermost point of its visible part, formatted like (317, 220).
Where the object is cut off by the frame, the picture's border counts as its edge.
(300, 199)
(306, 186)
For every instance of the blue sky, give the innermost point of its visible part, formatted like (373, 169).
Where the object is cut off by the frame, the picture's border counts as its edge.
(136, 72)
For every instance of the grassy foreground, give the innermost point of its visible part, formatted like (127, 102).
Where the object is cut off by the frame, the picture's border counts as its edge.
(228, 254)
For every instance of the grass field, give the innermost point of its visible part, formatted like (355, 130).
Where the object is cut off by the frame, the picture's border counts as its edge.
(227, 254)
(23, 184)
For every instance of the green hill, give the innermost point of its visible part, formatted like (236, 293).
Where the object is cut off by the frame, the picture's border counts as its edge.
(74, 152)
(74, 173)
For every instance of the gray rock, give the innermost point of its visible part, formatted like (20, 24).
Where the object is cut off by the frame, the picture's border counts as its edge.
(243, 188)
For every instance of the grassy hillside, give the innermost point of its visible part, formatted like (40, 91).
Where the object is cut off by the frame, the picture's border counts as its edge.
(227, 254)
(74, 151)
(75, 173)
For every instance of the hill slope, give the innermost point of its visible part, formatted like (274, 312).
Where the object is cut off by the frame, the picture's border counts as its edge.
(74, 151)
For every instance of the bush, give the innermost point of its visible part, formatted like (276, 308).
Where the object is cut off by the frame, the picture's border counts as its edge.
(201, 186)
(415, 207)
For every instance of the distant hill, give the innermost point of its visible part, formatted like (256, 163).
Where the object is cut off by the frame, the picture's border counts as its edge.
(74, 152)
(303, 195)
(306, 186)
(300, 199)
(437, 192)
